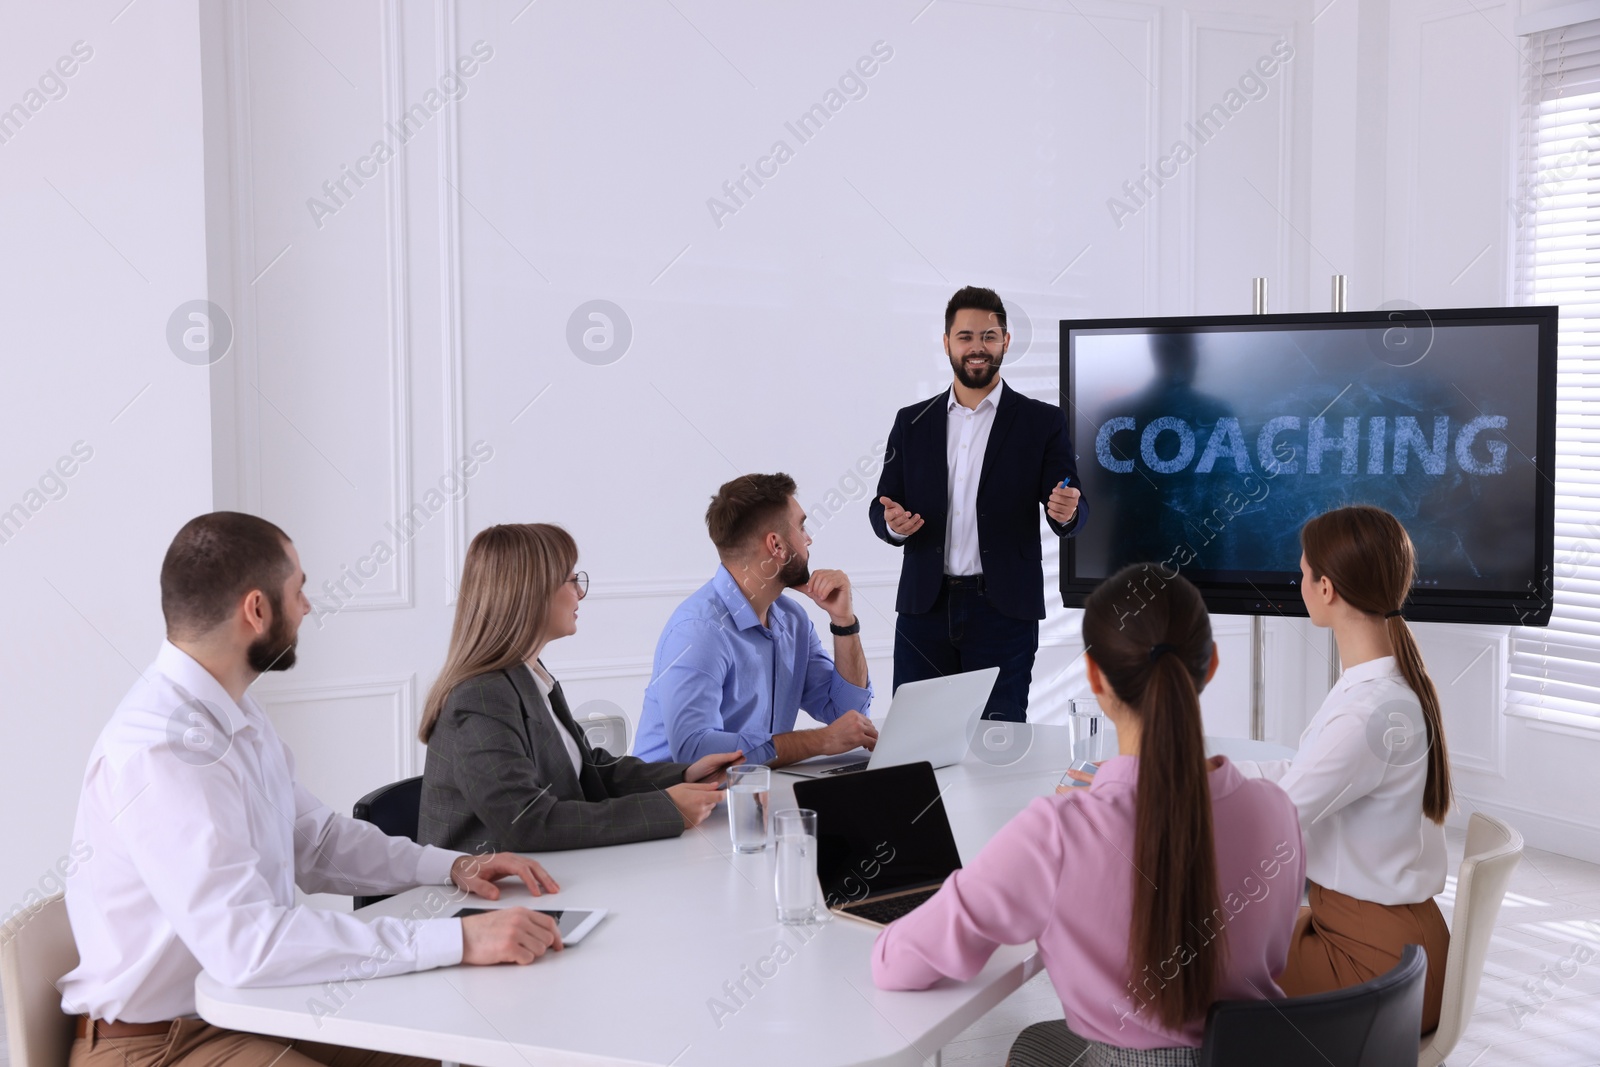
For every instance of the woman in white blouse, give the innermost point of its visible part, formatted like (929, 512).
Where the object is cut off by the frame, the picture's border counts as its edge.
(1371, 779)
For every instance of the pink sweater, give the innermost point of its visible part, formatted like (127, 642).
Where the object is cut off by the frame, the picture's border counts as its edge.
(1060, 874)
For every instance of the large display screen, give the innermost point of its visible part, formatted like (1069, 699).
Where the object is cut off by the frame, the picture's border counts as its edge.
(1205, 443)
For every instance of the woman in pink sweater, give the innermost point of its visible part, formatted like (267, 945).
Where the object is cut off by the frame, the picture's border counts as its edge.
(1142, 914)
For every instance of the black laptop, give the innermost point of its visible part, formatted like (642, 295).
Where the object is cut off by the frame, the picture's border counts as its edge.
(883, 840)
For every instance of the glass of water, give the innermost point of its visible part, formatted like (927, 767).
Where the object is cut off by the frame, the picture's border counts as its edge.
(1094, 738)
(748, 787)
(799, 896)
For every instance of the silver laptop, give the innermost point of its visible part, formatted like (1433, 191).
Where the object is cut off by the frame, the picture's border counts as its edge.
(931, 720)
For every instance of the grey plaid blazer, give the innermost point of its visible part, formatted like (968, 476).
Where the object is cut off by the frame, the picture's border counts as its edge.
(498, 777)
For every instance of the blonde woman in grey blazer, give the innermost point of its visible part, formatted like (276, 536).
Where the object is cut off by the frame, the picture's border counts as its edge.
(508, 769)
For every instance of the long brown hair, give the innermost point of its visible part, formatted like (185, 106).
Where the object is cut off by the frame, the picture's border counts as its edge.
(510, 575)
(1150, 636)
(1369, 558)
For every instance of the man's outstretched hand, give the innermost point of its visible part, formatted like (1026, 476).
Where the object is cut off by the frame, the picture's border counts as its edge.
(899, 519)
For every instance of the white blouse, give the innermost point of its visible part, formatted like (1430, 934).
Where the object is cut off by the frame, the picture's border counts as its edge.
(546, 687)
(1357, 782)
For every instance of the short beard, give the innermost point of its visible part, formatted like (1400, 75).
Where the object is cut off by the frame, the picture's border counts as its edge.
(795, 572)
(273, 650)
(978, 379)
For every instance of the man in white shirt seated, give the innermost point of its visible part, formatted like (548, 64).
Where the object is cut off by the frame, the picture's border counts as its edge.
(200, 834)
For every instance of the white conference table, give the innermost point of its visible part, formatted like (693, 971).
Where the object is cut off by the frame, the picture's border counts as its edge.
(689, 919)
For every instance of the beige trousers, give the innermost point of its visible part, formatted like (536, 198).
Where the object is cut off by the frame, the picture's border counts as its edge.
(196, 1043)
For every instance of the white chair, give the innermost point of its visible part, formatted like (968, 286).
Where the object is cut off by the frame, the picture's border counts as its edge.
(36, 950)
(1493, 849)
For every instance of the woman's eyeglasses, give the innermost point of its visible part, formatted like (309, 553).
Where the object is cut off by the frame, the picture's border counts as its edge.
(581, 580)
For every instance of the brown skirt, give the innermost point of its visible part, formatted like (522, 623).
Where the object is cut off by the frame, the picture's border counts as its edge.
(1340, 941)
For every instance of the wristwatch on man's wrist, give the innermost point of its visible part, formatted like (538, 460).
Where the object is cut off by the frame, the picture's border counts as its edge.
(846, 631)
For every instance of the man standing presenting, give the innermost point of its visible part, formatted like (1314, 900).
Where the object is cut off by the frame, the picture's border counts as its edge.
(738, 661)
(960, 490)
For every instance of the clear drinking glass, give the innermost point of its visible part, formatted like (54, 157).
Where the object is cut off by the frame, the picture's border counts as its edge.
(1094, 738)
(799, 896)
(749, 785)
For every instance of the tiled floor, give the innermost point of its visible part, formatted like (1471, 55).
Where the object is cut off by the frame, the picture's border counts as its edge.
(1550, 919)
(1549, 928)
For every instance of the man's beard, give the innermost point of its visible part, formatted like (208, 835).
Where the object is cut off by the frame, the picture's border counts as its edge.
(976, 379)
(795, 571)
(273, 650)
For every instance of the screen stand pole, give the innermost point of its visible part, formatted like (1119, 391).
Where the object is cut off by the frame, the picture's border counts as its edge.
(1258, 678)
(1339, 290)
(1258, 625)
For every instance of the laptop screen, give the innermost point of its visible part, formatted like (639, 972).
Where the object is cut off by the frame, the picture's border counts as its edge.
(879, 831)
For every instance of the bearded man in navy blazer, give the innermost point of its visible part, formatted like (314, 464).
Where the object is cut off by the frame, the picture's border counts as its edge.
(962, 483)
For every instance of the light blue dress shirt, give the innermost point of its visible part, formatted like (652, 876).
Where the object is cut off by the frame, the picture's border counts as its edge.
(723, 682)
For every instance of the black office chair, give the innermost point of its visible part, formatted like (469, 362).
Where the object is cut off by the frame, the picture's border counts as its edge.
(392, 809)
(1374, 1024)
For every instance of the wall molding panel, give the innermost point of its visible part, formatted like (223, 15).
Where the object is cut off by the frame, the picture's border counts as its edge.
(453, 383)
(400, 692)
(398, 248)
(1282, 290)
(1468, 667)
(242, 461)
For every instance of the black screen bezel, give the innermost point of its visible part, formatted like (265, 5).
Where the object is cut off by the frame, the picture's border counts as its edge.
(1435, 604)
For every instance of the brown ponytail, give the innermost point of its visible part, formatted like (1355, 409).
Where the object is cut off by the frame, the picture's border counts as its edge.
(1151, 638)
(1369, 558)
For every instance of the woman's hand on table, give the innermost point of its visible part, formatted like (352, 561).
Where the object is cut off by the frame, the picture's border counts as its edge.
(1081, 777)
(712, 768)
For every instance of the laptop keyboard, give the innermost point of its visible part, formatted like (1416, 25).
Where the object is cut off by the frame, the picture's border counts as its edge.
(846, 768)
(888, 910)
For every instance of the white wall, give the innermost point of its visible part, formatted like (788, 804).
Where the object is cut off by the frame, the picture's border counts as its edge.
(430, 311)
(783, 335)
(103, 236)
(1449, 240)
(376, 344)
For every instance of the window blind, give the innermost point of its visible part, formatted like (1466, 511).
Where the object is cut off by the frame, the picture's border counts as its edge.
(1555, 671)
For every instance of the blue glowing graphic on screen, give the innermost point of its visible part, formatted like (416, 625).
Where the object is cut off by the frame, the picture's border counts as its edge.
(1208, 448)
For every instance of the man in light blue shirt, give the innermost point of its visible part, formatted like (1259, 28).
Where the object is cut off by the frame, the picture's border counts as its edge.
(738, 661)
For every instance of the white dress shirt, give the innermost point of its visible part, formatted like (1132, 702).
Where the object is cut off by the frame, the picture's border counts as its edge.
(966, 439)
(1357, 781)
(200, 835)
(546, 686)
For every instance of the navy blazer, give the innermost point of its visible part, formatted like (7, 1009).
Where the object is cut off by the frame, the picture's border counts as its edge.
(1028, 454)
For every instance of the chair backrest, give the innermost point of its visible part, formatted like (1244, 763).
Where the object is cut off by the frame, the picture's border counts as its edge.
(1493, 849)
(393, 809)
(1373, 1024)
(36, 950)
